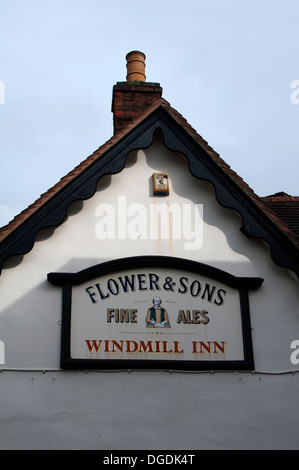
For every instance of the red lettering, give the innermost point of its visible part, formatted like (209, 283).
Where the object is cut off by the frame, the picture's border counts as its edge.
(134, 344)
(93, 344)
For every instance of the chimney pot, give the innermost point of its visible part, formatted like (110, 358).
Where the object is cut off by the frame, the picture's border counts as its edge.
(131, 98)
(135, 66)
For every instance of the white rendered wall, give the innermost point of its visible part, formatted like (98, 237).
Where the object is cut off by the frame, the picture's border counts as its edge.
(147, 410)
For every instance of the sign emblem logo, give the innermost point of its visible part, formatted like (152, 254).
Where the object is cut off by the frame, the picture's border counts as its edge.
(157, 316)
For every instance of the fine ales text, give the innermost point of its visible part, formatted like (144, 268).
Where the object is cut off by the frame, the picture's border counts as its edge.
(130, 315)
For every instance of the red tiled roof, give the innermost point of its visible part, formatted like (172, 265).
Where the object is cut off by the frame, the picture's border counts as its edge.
(286, 208)
(262, 204)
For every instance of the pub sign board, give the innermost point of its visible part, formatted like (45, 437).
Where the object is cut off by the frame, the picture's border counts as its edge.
(155, 312)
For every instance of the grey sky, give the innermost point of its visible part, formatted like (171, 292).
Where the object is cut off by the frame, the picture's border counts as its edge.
(226, 65)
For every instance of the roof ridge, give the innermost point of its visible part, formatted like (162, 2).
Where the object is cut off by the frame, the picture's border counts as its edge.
(280, 197)
(185, 127)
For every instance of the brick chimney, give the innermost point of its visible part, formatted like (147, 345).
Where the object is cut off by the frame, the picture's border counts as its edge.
(132, 97)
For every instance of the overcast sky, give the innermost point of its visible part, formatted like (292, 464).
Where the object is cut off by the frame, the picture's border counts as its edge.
(228, 66)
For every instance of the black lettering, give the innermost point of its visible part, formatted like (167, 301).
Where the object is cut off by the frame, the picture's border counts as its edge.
(113, 286)
(91, 294)
(127, 282)
(101, 293)
(141, 281)
(220, 299)
(154, 279)
(184, 288)
(195, 288)
(209, 291)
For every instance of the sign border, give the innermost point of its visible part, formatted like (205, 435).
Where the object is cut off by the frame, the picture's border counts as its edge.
(67, 280)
